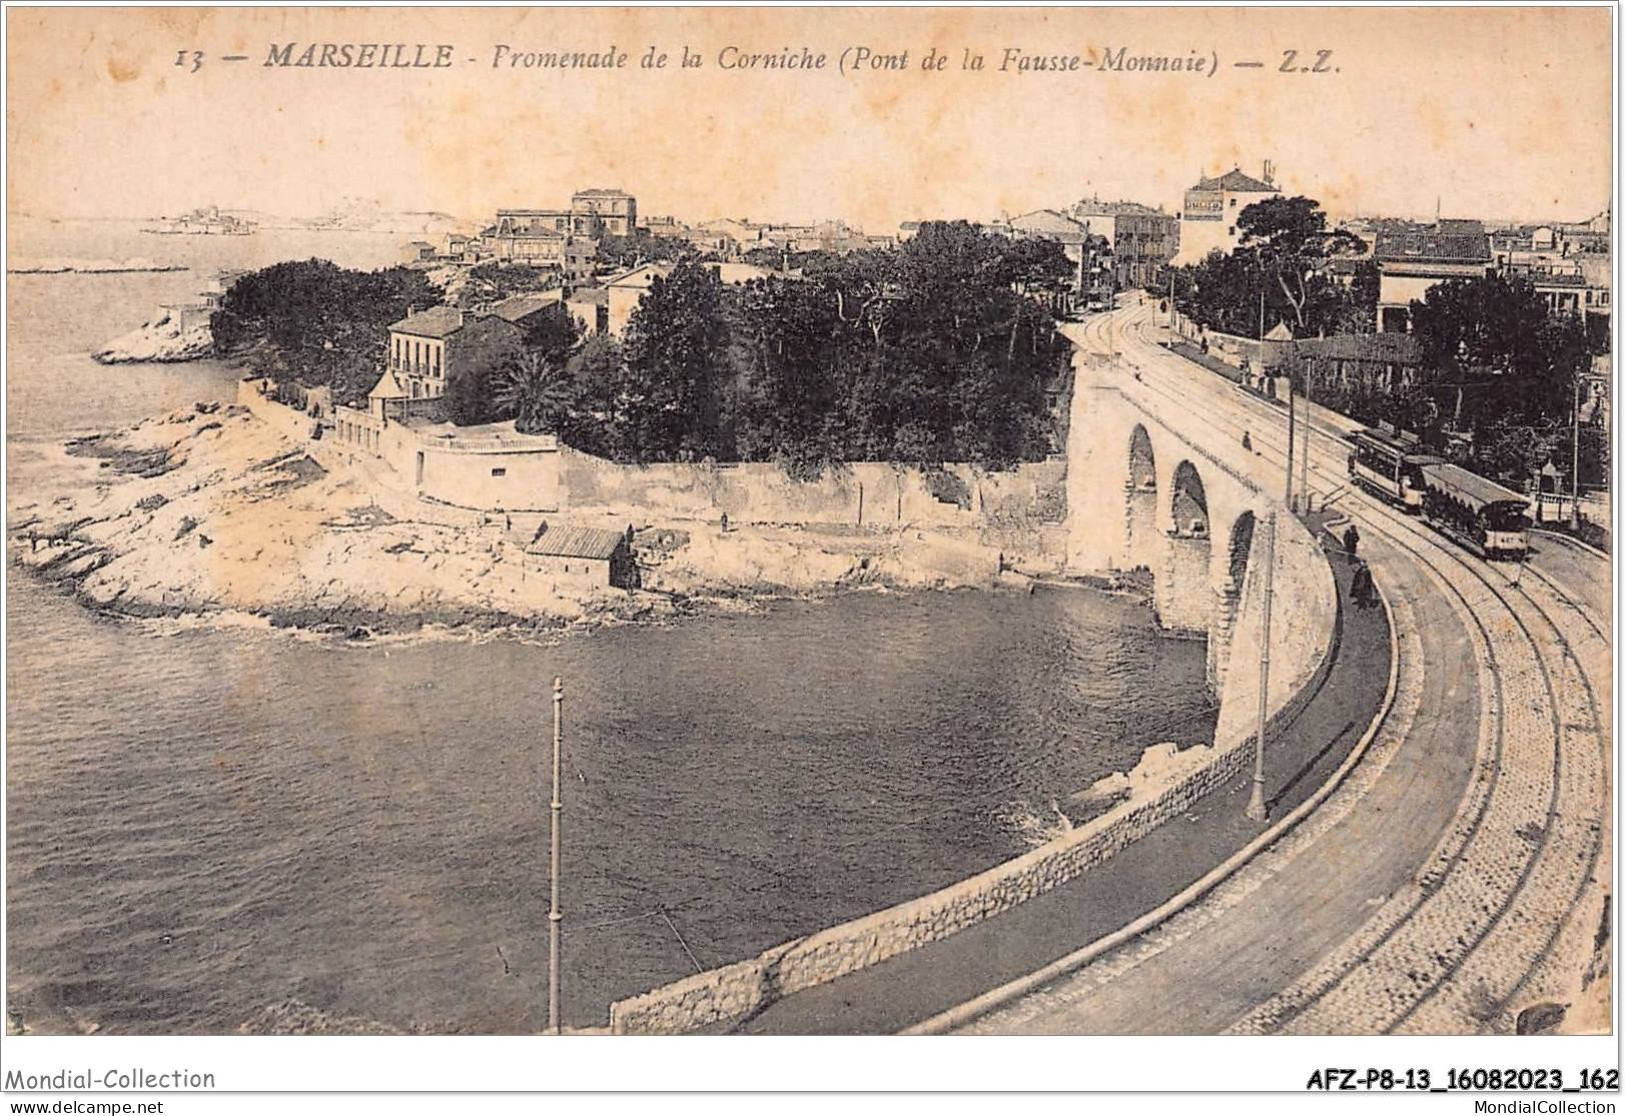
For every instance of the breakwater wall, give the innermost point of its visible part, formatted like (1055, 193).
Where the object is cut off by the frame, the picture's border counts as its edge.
(1305, 624)
(504, 472)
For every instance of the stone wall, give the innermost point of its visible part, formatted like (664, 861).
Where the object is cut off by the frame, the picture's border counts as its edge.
(284, 419)
(1303, 628)
(1303, 650)
(1012, 508)
(867, 494)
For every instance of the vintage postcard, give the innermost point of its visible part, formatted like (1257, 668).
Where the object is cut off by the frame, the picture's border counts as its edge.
(847, 521)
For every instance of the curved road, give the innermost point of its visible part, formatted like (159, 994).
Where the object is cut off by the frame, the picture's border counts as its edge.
(1458, 876)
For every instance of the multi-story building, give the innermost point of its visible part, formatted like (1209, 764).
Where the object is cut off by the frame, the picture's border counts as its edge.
(669, 227)
(1143, 240)
(1095, 277)
(1208, 221)
(726, 236)
(598, 213)
(1413, 259)
(427, 347)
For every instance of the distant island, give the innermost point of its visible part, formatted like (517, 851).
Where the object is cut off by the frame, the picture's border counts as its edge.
(208, 221)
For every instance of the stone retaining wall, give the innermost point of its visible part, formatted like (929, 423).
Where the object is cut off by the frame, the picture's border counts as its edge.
(736, 991)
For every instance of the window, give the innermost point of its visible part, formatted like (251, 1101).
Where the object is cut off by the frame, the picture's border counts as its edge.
(499, 472)
(1232, 203)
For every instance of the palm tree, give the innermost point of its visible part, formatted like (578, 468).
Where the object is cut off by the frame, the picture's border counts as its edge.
(534, 392)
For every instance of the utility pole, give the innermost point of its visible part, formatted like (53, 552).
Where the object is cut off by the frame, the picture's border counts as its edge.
(1575, 482)
(1291, 439)
(1308, 422)
(1255, 806)
(554, 917)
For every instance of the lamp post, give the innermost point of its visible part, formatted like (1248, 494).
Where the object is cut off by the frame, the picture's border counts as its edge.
(1256, 809)
(554, 917)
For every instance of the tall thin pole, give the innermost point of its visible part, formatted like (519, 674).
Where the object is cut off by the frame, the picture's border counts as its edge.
(1291, 438)
(1255, 806)
(1308, 424)
(554, 917)
(1575, 483)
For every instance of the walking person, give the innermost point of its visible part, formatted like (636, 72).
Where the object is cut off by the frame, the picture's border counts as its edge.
(1361, 588)
(1351, 542)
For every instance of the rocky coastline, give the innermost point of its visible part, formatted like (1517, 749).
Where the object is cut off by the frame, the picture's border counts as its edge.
(211, 516)
(160, 341)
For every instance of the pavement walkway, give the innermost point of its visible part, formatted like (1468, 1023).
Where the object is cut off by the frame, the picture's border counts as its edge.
(914, 986)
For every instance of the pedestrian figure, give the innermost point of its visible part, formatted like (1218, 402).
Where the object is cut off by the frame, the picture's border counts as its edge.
(725, 522)
(1361, 589)
(1351, 541)
(1246, 440)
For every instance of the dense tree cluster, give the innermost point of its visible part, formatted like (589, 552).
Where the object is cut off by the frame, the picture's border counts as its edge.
(1498, 381)
(496, 280)
(1498, 373)
(938, 350)
(1280, 266)
(926, 353)
(630, 251)
(316, 323)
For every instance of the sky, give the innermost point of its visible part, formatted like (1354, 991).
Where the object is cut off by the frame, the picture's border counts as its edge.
(1500, 113)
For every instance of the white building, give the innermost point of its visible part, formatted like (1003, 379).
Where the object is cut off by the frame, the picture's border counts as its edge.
(1208, 222)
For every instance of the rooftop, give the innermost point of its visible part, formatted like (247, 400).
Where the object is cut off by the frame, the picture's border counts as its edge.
(1463, 241)
(1394, 348)
(522, 306)
(437, 321)
(577, 542)
(1094, 207)
(1051, 222)
(1469, 487)
(387, 387)
(1237, 183)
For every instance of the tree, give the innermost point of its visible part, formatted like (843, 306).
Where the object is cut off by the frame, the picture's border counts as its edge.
(552, 333)
(468, 397)
(313, 322)
(598, 376)
(535, 392)
(494, 281)
(1291, 244)
(630, 251)
(674, 349)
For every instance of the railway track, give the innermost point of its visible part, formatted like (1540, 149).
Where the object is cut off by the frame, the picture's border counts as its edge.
(1469, 938)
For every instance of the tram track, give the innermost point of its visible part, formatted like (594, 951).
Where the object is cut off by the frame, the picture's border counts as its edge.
(1461, 984)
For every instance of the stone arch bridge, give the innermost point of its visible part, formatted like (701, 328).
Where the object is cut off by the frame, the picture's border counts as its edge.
(1155, 487)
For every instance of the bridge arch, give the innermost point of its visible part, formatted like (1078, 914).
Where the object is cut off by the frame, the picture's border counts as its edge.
(1184, 578)
(1241, 546)
(1140, 528)
(1187, 504)
(1142, 460)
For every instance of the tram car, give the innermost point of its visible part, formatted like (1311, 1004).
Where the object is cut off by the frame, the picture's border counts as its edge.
(1385, 464)
(1483, 516)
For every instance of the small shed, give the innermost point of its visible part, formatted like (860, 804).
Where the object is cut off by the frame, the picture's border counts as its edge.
(583, 558)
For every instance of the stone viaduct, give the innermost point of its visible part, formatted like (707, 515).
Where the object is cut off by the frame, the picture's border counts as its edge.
(1152, 485)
